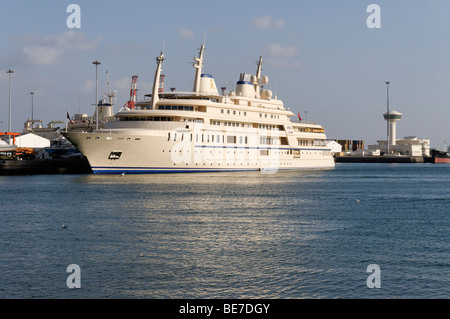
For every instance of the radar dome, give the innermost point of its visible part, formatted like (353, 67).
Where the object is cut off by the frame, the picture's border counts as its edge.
(266, 94)
(265, 79)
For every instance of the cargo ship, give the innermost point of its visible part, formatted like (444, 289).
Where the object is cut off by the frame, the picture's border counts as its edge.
(440, 157)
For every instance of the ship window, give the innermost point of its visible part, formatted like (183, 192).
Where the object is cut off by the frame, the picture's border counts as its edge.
(231, 139)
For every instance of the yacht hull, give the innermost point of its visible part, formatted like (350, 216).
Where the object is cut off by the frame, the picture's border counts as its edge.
(145, 154)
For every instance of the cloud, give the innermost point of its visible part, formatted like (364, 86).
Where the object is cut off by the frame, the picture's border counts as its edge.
(282, 63)
(185, 33)
(276, 50)
(122, 84)
(50, 49)
(87, 86)
(267, 23)
(41, 55)
(281, 57)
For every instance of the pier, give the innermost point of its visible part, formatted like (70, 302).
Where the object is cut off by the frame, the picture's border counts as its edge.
(44, 166)
(383, 159)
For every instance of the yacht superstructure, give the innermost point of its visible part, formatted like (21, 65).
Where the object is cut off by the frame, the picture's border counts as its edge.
(199, 131)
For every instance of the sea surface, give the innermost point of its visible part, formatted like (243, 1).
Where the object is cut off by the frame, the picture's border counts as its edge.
(289, 235)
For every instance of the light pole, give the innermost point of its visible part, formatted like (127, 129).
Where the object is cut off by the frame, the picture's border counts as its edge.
(32, 106)
(10, 72)
(387, 122)
(96, 93)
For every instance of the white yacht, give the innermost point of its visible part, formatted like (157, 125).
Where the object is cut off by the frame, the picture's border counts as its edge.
(245, 129)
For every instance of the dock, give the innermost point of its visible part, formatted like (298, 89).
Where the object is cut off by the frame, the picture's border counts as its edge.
(383, 159)
(44, 166)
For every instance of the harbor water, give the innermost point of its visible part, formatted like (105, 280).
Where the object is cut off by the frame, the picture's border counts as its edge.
(289, 235)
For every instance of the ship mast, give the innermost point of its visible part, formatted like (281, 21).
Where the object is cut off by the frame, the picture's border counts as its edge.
(258, 77)
(155, 95)
(198, 68)
(259, 68)
(110, 95)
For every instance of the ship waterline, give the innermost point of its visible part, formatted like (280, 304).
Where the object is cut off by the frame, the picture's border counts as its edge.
(202, 131)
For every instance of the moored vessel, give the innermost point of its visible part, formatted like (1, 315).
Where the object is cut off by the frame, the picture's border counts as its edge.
(199, 131)
(440, 157)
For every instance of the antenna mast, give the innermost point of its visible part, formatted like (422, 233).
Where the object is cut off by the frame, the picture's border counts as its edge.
(198, 66)
(155, 95)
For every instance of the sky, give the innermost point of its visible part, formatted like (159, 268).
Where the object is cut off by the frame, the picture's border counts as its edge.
(327, 60)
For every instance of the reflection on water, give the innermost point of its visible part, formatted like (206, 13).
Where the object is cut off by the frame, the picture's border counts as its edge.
(308, 234)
